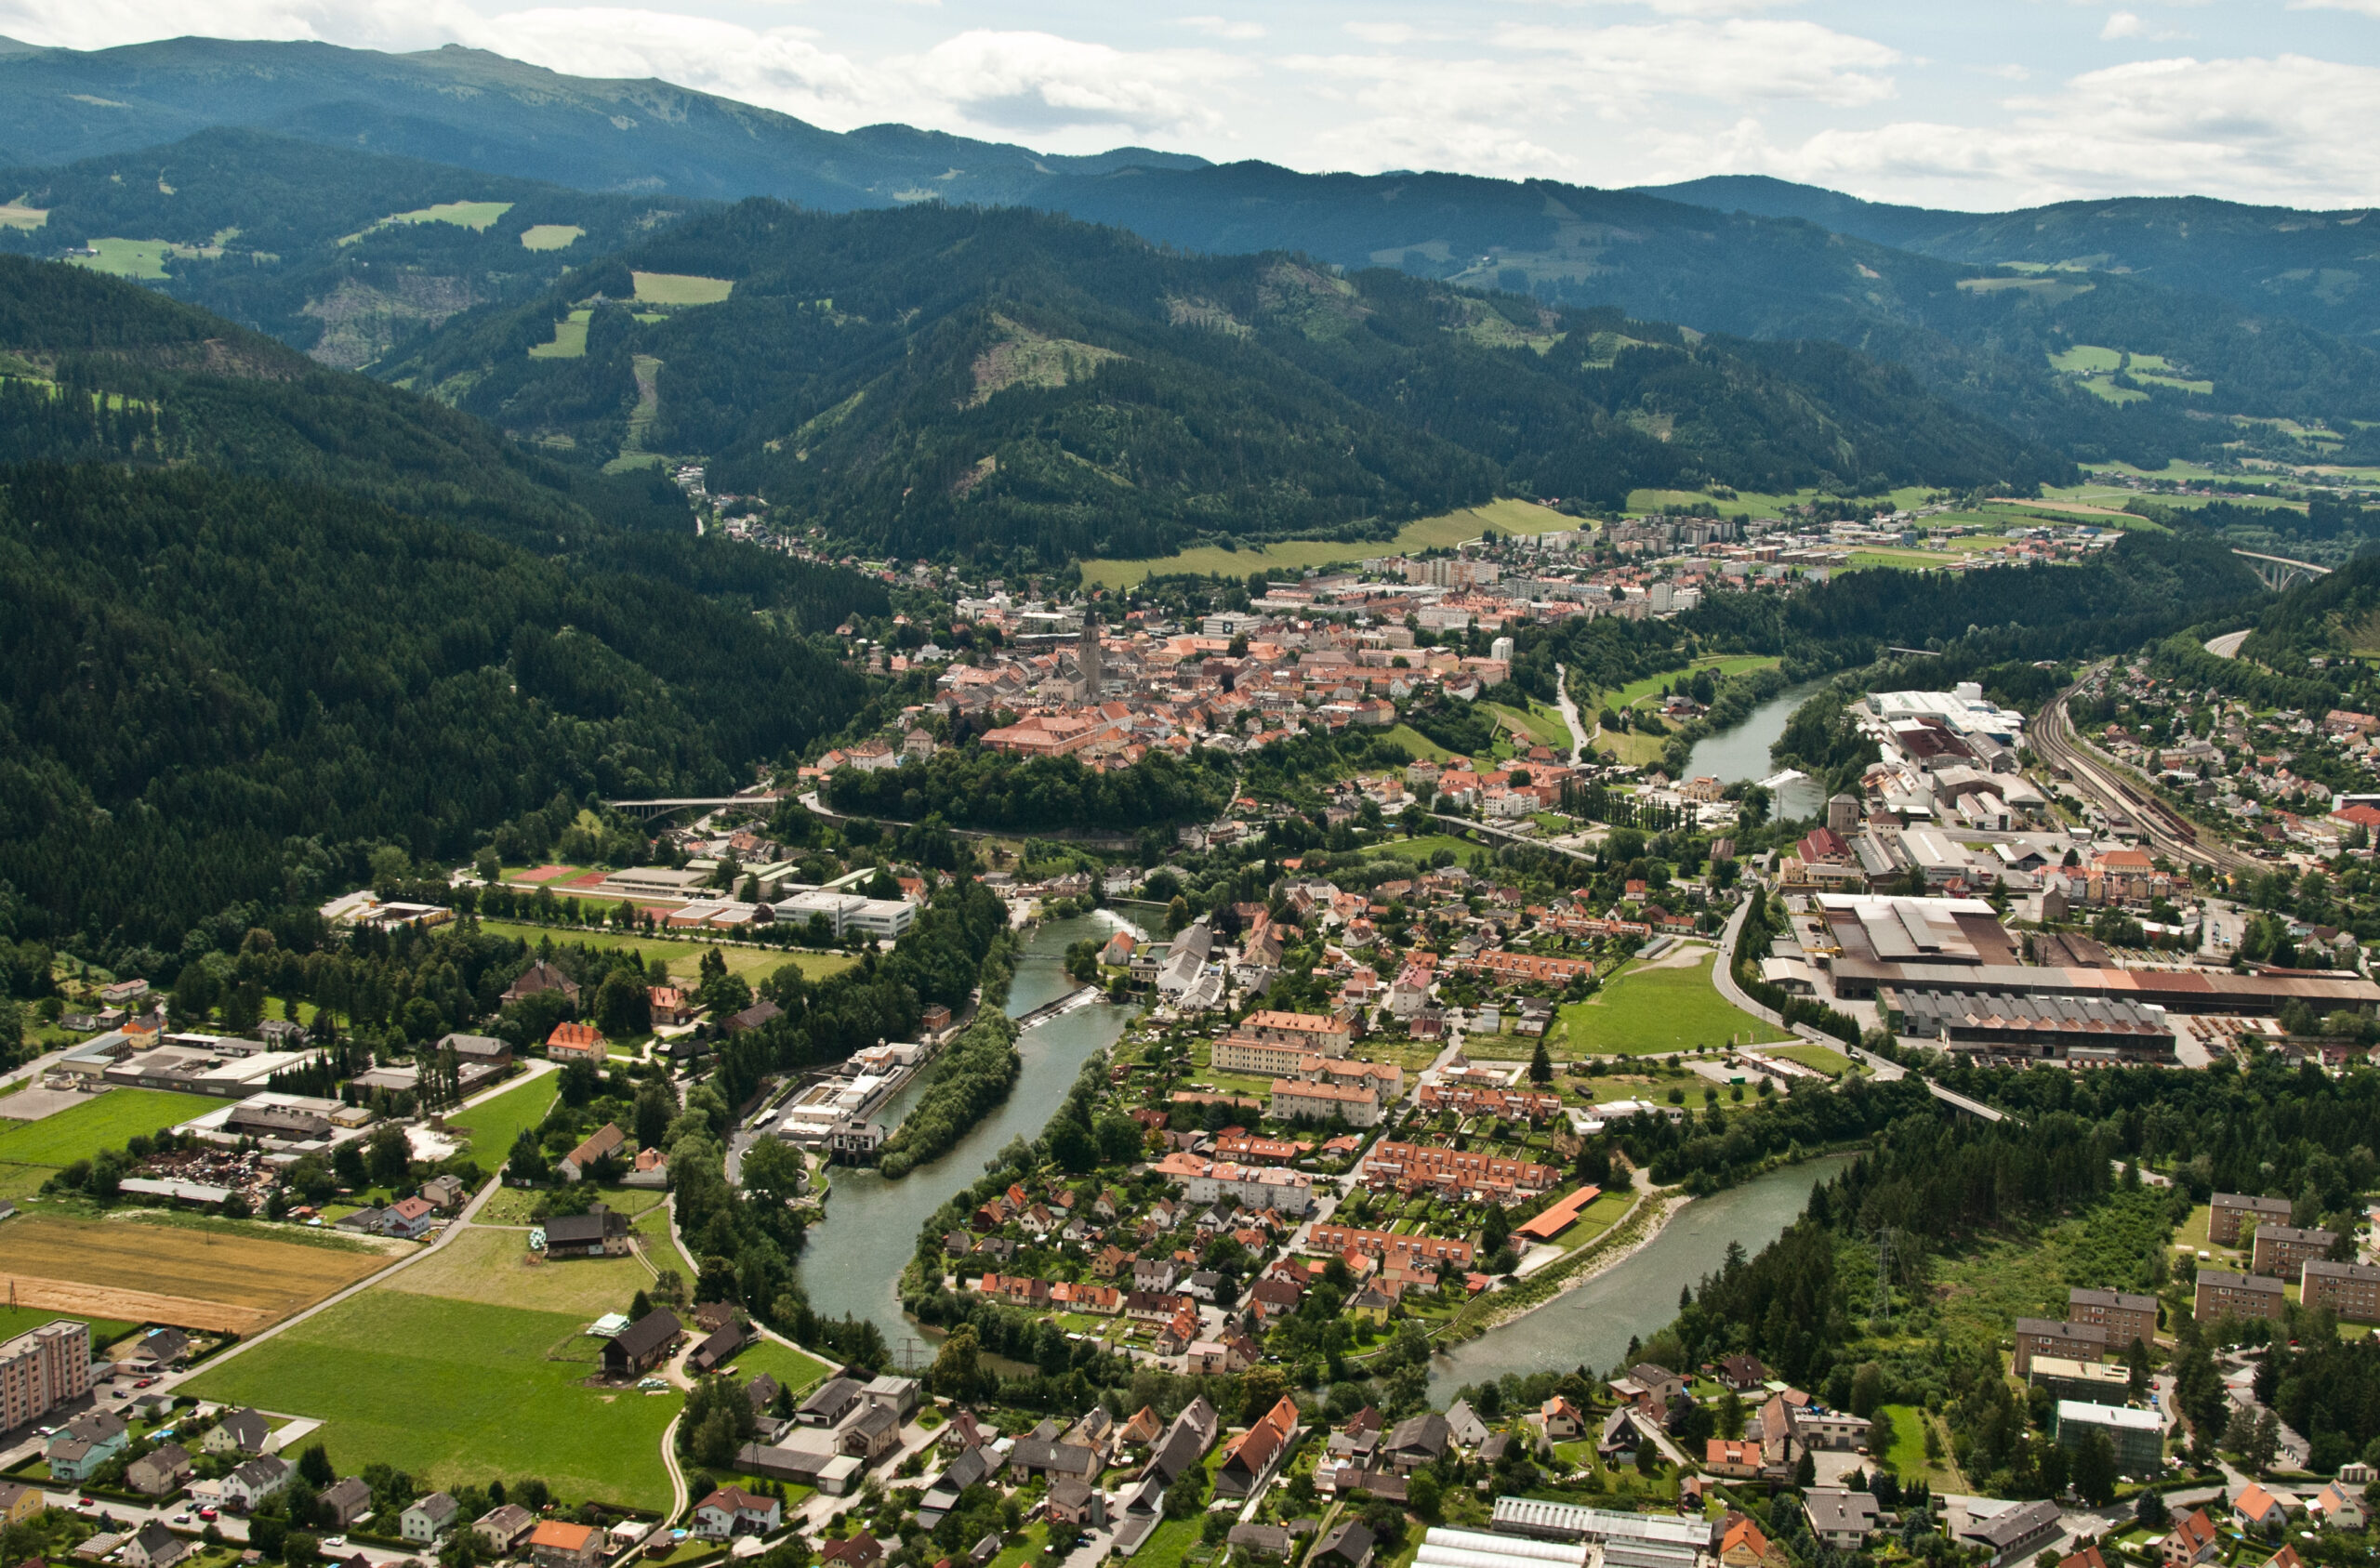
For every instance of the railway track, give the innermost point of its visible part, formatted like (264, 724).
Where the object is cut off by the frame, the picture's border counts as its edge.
(2166, 830)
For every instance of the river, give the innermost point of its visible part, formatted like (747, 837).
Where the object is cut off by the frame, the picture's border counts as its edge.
(1742, 753)
(853, 1258)
(1591, 1326)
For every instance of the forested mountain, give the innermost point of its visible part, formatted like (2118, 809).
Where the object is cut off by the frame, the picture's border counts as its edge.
(2322, 267)
(2179, 308)
(278, 617)
(940, 376)
(483, 112)
(298, 240)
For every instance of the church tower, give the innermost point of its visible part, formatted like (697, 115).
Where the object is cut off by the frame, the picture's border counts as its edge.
(1086, 656)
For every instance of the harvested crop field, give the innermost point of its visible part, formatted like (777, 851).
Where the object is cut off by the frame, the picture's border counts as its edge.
(162, 1273)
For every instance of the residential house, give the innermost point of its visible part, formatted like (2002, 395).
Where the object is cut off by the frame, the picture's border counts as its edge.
(252, 1481)
(2253, 1507)
(556, 1543)
(731, 1510)
(346, 1500)
(154, 1545)
(2338, 1505)
(1559, 1420)
(538, 978)
(160, 1347)
(598, 1232)
(1742, 1544)
(504, 1527)
(643, 1345)
(1463, 1425)
(237, 1431)
(2015, 1532)
(604, 1143)
(2193, 1540)
(1254, 1453)
(1349, 1546)
(408, 1218)
(720, 1347)
(862, 1550)
(578, 1042)
(1843, 1520)
(1076, 1502)
(1417, 1440)
(426, 1518)
(162, 1470)
(20, 1502)
(80, 1448)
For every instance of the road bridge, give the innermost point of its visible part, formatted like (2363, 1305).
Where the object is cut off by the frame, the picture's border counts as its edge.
(2279, 571)
(645, 810)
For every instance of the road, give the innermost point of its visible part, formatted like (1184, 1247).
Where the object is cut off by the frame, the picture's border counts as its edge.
(2227, 645)
(1578, 738)
(2094, 775)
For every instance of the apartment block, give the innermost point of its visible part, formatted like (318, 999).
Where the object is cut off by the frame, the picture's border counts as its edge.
(2282, 1250)
(2222, 1294)
(2350, 1290)
(2229, 1209)
(2126, 1317)
(2047, 1337)
(44, 1369)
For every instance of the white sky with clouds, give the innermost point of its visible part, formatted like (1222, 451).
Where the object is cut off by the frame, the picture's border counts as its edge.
(1977, 104)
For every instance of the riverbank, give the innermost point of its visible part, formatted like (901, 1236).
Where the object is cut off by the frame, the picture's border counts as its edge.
(1626, 1288)
(1637, 1229)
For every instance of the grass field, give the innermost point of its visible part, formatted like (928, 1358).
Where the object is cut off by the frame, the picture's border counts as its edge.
(105, 1121)
(14, 215)
(20, 1319)
(2086, 358)
(1636, 691)
(1295, 555)
(513, 1206)
(676, 288)
(495, 1124)
(684, 957)
(1908, 498)
(212, 1279)
(787, 1365)
(552, 236)
(570, 338)
(1545, 726)
(474, 216)
(1421, 745)
(1907, 1456)
(1655, 1009)
(497, 1266)
(455, 1392)
(22, 1181)
(128, 259)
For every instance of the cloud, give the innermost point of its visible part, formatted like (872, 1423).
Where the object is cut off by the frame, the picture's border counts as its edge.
(2122, 24)
(1735, 61)
(1038, 81)
(2367, 7)
(2287, 129)
(1224, 27)
(1388, 34)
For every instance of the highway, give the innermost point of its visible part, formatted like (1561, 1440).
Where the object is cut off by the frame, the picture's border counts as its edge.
(2054, 739)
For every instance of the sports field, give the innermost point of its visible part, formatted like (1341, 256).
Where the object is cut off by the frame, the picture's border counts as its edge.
(497, 1267)
(1656, 1007)
(171, 1273)
(1294, 555)
(679, 288)
(495, 1123)
(105, 1121)
(456, 1392)
(552, 236)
